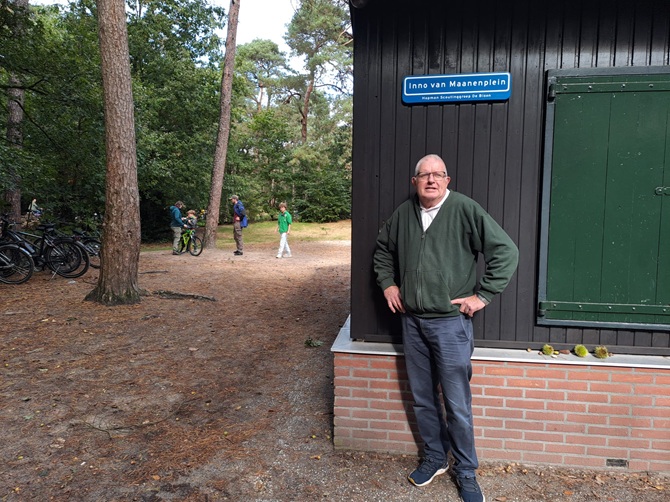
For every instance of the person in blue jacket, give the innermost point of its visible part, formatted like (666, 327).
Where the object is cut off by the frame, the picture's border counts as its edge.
(239, 222)
(176, 224)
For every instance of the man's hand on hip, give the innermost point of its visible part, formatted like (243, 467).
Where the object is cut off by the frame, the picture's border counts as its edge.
(469, 305)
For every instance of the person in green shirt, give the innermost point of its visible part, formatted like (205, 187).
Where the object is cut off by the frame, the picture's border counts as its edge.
(284, 222)
(425, 262)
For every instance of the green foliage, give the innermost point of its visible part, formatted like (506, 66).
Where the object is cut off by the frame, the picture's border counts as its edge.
(581, 351)
(175, 55)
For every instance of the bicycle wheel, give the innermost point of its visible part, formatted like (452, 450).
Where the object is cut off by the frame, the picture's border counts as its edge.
(195, 246)
(93, 248)
(66, 259)
(16, 264)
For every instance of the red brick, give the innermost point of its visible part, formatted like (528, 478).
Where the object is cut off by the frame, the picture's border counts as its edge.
(590, 397)
(608, 431)
(528, 384)
(585, 461)
(591, 440)
(603, 409)
(545, 416)
(341, 412)
(484, 443)
(649, 433)
(370, 373)
(369, 394)
(634, 422)
(662, 402)
(399, 416)
(367, 414)
(544, 458)
(651, 411)
(349, 423)
(386, 405)
(628, 443)
(573, 407)
(589, 376)
(488, 423)
(547, 437)
(342, 391)
(661, 445)
(351, 382)
(565, 449)
(586, 419)
(384, 362)
(392, 385)
(524, 404)
(658, 466)
(662, 424)
(566, 427)
(652, 390)
(660, 456)
(488, 401)
(502, 434)
(503, 392)
(633, 400)
(523, 446)
(368, 434)
(524, 425)
(545, 395)
(351, 362)
(389, 426)
(662, 379)
(619, 388)
(508, 371)
(483, 381)
(630, 377)
(350, 403)
(598, 451)
(499, 454)
(401, 436)
(547, 373)
(503, 413)
(341, 372)
(567, 385)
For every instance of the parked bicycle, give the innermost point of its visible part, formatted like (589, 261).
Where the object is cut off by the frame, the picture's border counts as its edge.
(190, 242)
(16, 264)
(61, 255)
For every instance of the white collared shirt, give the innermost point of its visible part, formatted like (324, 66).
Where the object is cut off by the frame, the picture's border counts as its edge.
(428, 215)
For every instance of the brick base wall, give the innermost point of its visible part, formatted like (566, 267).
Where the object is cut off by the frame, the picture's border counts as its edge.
(579, 415)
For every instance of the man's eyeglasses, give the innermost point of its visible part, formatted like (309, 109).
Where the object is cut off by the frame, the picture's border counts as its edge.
(439, 176)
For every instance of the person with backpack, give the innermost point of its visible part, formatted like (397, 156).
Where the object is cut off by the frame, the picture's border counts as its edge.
(176, 224)
(239, 222)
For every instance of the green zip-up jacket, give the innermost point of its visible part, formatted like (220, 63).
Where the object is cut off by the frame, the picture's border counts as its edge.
(439, 265)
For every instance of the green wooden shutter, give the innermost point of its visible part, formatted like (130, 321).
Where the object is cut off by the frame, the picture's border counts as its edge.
(606, 223)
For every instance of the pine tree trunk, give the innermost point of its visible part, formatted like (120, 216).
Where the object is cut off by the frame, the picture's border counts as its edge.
(117, 283)
(219, 169)
(15, 95)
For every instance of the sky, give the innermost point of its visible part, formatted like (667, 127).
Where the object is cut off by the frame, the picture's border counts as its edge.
(265, 19)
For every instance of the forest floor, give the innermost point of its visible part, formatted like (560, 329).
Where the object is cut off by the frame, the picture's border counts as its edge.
(215, 394)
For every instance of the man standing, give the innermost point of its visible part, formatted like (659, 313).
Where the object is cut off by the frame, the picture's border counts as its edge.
(239, 222)
(176, 224)
(429, 246)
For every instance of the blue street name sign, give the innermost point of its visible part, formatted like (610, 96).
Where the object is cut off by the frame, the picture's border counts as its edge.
(459, 88)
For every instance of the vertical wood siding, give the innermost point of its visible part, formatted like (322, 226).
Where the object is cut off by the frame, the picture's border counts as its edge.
(493, 151)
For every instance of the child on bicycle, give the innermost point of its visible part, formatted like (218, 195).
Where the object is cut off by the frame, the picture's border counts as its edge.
(191, 220)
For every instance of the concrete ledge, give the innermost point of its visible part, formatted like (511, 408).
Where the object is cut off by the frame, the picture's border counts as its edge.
(343, 343)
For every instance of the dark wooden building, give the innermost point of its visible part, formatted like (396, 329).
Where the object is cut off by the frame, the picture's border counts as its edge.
(575, 164)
